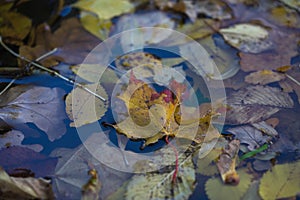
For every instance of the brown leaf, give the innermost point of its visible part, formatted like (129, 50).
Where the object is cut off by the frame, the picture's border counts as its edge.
(286, 43)
(263, 77)
(227, 162)
(14, 158)
(74, 43)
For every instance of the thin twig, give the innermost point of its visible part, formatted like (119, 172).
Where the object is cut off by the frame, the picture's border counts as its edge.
(50, 71)
(292, 79)
(8, 85)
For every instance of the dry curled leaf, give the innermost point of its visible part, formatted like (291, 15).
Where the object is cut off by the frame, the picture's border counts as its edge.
(227, 163)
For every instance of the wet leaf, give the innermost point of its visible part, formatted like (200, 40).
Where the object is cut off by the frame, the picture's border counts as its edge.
(255, 103)
(143, 65)
(282, 181)
(96, 26)
(15, 138)
(14, 26)
(207, 165)
(16, 158)
(71, 172)
(289, 85)
(272, 60)
(159, 186)
(227, 163)
(94, 73)
(33, 104)
(91, 189)
(140, 39)
(264, 77)
(252, 192)
(253, 137)
(293, 4)
(84, 108)
(283, 16)
(249, 38)
(223, 55)
(105, 9)
(24, 188)
(200, 28)
(73, 42)
(215, 9)
(216, 189)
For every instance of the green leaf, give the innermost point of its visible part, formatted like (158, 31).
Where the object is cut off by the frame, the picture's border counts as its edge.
(160, 186)
(282, 181)
(83, 107)
(105, 9)
(96, 26)
(215, 189)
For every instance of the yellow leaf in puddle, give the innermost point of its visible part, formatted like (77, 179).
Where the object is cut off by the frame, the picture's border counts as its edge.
(282, 181)
(263, 77)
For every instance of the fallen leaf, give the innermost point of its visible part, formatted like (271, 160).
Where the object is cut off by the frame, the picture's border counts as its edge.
(92, 188)
(282, 181)
(185, 7)
(248, 38)
(33, 104)
(72, 41)
(143, 65)
(283, 16)
(95, 73)
(143, 36)
(15, 138)
(159, 186)
(84, 108)
(14, 27)
(24, 188)
(274, 59)
(15, 158)
(71, 172)
(223, 55)
(226, 163)
(293, 4)
(105, 9)
(216, 189)
(252, 136)
(289, 85)
(263, 77)
(255, 103)
(215, 9)
(98, 27)
(199, 29)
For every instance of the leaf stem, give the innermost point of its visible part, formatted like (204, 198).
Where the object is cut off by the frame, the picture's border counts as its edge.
(176, 160)
(292, 79)
(50, 70)
(10, 83)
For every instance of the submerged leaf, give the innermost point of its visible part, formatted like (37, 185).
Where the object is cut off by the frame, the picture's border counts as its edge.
(24, 188)
(83, 107)
(91, 189)
(255, 103)
(39, 105)
(253, 137)
(215, 189)
(250, 38)
(105, 9)
(160, 186)
(264, 77)
(282, 181)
